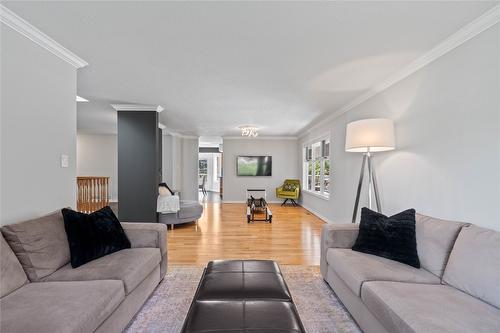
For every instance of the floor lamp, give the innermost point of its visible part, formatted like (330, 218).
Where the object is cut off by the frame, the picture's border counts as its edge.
(368, 136)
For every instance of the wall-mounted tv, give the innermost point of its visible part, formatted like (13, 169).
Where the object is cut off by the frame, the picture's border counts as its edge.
(254, 165)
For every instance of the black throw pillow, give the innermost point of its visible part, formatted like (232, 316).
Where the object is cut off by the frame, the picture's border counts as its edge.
(94, 235)
(389, 237)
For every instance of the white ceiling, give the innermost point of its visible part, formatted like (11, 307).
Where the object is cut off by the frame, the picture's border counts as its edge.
(216, 65)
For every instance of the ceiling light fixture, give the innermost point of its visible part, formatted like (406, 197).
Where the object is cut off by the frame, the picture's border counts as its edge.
(81, 99)
(249, 131)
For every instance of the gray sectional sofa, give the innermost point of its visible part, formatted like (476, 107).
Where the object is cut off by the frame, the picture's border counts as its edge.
(190, 211)
(40, 292)
(457, 288)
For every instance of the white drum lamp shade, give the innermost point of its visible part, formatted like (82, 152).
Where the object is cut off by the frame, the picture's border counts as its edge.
(370, 135)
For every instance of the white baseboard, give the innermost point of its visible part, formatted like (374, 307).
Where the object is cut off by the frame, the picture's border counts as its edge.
(327, 220)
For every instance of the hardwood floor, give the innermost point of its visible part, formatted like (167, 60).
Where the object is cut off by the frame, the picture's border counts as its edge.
(209, 197)
(223, 233)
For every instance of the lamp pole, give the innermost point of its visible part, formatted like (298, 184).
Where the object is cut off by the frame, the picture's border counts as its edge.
(372, 182)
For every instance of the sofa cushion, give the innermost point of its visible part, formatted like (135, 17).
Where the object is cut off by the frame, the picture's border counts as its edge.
(130, 266)
(40, 244)
(411, 307)
(435, 239)
(12, 275)
(474, 264)
(60, 306)
(355, 268)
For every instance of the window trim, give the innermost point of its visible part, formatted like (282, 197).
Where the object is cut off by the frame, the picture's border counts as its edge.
(305, 167)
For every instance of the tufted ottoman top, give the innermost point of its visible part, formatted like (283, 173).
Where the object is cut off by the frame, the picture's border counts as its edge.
(242, 296)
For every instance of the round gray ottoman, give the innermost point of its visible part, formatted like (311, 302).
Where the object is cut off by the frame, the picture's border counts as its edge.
(190, 211)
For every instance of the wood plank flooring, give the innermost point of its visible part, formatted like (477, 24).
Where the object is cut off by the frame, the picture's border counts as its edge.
(223, 233)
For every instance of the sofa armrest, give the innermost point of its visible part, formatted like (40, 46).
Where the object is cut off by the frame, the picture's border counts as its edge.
(279, 190)
(148, 235)
(336, 236)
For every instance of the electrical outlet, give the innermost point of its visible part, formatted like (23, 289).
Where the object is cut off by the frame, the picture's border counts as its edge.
(64, 161)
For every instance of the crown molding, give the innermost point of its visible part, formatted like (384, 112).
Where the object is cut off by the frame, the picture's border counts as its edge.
(29, 31)
(260, 138)
(169, 131)
(187, 136)
(472, 29)
(182, 136)
(137, 107)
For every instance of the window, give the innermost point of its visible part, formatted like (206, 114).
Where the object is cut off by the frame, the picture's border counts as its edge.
(316, 169)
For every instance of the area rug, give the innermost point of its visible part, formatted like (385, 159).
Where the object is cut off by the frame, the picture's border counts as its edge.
(318, 306)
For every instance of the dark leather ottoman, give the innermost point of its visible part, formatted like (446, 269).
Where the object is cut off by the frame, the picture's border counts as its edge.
(242, 296)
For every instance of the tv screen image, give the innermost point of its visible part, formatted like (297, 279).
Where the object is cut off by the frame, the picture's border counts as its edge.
(254, 165)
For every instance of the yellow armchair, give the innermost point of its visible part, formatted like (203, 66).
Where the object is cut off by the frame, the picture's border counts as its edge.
(290, 190)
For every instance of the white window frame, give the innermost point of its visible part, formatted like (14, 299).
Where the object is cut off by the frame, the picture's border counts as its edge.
(305, 168)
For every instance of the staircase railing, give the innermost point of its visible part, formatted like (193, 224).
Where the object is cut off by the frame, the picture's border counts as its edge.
(93, 193)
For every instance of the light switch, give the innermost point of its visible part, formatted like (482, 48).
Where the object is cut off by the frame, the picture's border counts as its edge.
(64, 161)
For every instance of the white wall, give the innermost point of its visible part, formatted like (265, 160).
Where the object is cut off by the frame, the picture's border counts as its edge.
(37, 124)
(180, 165)
(189, 166)
(97, 155)
(447, 163)
(284, 154)
(167, 160)
(172, 161)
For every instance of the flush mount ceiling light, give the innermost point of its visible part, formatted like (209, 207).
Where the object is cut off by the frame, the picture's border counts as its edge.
(81, 99)
(249, 131)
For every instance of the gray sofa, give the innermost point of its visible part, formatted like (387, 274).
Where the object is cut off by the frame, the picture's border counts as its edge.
(189, 211)
(457, 288)
(40, 292)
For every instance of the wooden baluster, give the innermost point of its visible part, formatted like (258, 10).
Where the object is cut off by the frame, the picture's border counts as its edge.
(87, 195)
(101, 196)
(92, 193)
(106, 192)
(87, 188)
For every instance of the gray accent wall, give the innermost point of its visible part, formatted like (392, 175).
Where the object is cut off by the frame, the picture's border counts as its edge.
(37, 126)
(139, 165)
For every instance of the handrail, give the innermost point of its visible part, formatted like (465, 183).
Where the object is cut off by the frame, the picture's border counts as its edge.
(93, 193)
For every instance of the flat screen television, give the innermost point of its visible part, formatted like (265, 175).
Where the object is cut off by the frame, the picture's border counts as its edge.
(254, 165)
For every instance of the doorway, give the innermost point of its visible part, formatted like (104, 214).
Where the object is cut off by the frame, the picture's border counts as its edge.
(210, 181)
